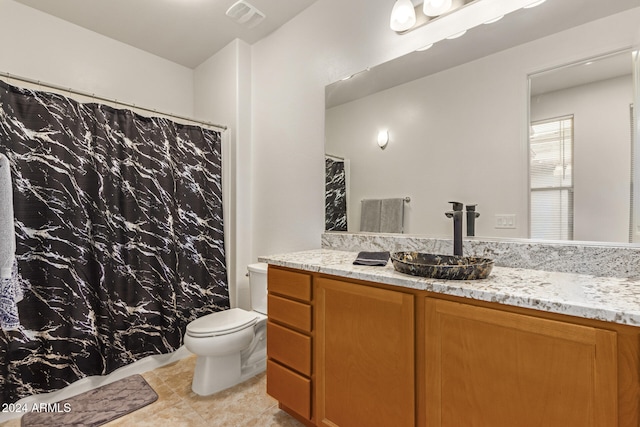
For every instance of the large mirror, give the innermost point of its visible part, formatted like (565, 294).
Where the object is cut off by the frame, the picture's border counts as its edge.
(460, 116)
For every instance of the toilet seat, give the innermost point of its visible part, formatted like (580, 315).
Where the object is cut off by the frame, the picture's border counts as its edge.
(222, 323)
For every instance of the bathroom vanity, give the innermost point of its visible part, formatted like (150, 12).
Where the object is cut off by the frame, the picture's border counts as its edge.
(367, 346)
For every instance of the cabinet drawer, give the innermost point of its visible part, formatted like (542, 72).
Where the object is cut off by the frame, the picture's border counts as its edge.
(289, 388)
(292, 313)
(290, 284)
(290, 348)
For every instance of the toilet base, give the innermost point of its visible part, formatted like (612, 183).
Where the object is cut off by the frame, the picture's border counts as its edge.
(213, 374)
(216, 373)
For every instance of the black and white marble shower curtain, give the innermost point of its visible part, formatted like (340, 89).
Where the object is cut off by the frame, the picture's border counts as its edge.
(119, 235)
(335, 198)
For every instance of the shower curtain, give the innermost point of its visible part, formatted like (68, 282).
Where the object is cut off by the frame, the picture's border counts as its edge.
(335, 199)
(119, 234)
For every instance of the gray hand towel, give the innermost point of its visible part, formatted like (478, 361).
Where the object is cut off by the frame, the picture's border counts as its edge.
(392, 216)
(372, 258)
(370, 215)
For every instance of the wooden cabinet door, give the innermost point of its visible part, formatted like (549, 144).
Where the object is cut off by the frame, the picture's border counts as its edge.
(364, 356)
(490, 368)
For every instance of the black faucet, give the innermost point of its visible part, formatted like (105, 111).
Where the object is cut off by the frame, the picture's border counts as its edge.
(471, 220)
(456, 214)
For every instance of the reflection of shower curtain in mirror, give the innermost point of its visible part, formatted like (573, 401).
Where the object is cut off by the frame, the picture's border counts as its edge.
(119, 235)
(633, 236)
(335, 195)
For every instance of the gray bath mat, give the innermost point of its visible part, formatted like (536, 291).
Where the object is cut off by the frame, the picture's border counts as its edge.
(94, 407)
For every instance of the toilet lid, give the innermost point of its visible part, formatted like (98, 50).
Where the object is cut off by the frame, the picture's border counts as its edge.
(222, 322)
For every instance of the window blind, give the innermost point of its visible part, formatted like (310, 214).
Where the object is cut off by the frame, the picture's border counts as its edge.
(551, 179)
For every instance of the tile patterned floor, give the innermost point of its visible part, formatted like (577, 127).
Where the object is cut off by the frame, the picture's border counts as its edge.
(245, 405)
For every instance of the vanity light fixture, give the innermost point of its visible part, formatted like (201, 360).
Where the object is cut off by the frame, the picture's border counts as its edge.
(383, 139)
(403, 20)
(407, 17)
(403, 15)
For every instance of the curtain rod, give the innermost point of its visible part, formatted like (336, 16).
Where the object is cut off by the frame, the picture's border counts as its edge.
(101, 98)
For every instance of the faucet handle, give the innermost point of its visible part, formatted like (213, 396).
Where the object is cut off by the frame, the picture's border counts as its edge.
(471, 210)
(457, 206)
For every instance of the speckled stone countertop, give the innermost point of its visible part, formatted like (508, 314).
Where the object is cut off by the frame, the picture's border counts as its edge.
(609, 299)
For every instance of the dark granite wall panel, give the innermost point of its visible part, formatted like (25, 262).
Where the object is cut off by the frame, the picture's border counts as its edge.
(119, 236)
(335, 196)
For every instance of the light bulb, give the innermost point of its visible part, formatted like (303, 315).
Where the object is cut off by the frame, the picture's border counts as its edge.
(436, 7)
(383, 138)
(403, 15)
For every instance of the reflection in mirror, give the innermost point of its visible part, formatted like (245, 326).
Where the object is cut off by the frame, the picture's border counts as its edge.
(458, 124)
(581, 145)
(335, 199)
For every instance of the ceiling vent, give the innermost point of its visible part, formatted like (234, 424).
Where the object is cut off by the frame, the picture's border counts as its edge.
(245, 14)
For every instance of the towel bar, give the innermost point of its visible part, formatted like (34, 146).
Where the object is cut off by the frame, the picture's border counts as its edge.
(406, 199)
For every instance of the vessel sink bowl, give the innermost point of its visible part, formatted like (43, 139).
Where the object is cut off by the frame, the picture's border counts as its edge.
(442, 266)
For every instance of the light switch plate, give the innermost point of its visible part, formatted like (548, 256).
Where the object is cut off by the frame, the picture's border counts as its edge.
(506, 221)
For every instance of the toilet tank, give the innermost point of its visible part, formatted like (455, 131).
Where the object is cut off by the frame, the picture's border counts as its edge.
(258, 286)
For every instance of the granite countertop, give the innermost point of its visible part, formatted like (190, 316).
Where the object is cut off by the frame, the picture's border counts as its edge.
(603, 298)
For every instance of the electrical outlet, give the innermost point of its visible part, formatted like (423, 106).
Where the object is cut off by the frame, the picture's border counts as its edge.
(505, 221)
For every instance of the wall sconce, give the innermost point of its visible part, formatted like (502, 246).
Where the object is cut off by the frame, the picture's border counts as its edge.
(383, 139)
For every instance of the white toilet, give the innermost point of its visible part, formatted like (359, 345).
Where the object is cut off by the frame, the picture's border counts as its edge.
(231, 345)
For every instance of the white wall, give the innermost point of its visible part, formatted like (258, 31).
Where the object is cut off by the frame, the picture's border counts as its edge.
(332, 39)
(601, 153)
(42, 47)
(223, 90)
